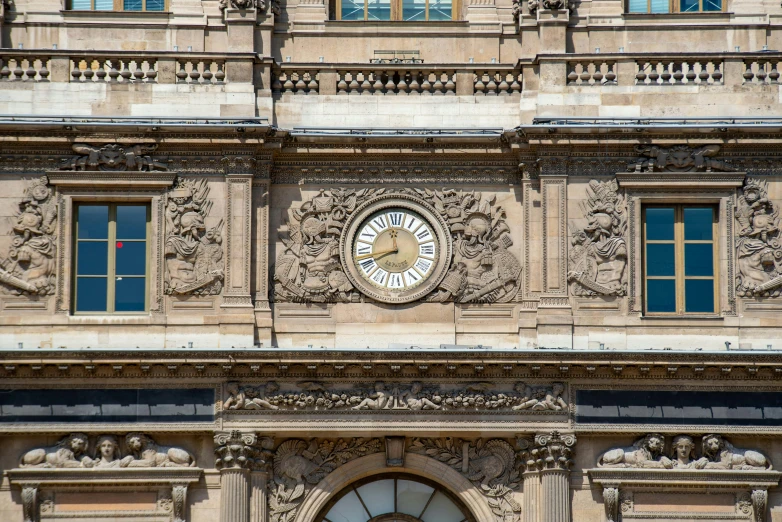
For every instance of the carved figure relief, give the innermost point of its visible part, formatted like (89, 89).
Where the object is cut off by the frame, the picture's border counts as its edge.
(194, 254)
(73, 452)
(678, 158)
(299, 465)
(716, 453)
(482, 268)
(113, 157)
(759, 250)
(598, 255)
(489, 464)
(315, 396)
(30, 265)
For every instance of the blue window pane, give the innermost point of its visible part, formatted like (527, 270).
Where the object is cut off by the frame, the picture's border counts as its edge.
(93, 258)
(698, 224)
(698, 259)
(712, 5)
(660, 6)
(131, 5)
(379, 9)
(440, 10)
(699, 295)
(131, 258)
(91, 294)
(81, 5)
(414, 10)
(104, 5)
(659, 224)
(661, 295)
(688, 6)
(660, 260)
(352, 9)
(155, 5)
(637, 6)
(129, 294)
(93, 222)
(131, 222)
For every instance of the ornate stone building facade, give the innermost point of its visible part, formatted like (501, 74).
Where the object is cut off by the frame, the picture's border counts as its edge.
(309, 261)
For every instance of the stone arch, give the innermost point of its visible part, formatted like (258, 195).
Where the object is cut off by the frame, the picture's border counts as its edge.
(375, 464)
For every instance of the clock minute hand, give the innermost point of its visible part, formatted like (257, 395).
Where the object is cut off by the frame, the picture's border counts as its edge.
(376, 254)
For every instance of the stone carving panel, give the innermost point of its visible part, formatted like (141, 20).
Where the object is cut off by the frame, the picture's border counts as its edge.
(491, 465)
(715, 453)
(482, 270)
(29, 267)
(414, 396)
(598, 255)
(678, 158)
(758, 246)
(299, 465)
(140, 451)
(113, 157)
(193, 253)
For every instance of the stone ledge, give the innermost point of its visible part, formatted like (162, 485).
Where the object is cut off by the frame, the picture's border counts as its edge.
(660, 479)
(119, 477)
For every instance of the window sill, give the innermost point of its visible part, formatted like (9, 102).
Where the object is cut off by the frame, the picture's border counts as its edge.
(396, 27)
(682, 18)
(699, 317)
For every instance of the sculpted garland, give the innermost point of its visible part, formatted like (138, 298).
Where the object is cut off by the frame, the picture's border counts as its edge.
(395, 396)
(29, 267)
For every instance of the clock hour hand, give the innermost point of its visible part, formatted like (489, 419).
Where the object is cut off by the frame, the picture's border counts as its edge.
(376, 254)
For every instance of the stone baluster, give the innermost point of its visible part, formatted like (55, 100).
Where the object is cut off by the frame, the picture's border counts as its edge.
(207, 74)
(437, 87)
(426, 85)
(195, 74)
(342, 84)
(312, 86)
(377, 86)
(301, 86)
(691, 75)
(716, 75)
(450, 85)
(220, 75)
(366, 86)
(390, 85)
(415, 86)
(666, 74)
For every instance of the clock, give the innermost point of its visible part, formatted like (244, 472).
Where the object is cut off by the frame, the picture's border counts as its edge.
(395, 249)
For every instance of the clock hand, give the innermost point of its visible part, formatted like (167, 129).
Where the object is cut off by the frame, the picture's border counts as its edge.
(376, 254)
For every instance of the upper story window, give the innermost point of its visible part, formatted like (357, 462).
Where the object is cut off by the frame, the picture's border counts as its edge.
(680, 259)
(117, 5)
(111, 265)
(399, 10)
(674, 6)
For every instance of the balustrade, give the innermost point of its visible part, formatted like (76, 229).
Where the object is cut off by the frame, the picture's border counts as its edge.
(586, 72)
(762, 70)
(194, 70)
(399, 82)
(678, 72)
(28, 68)
(296, 82)
(105, 69)
(493, 83)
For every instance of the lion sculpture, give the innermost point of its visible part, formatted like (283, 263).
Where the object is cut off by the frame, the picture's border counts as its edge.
(149, 454)
(722, 455)
(644, 453)
(69, 452)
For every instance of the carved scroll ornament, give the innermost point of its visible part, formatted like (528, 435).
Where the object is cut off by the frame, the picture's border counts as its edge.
(299, 465)
(678, 158)
(314, 396)
(598, 255)
(29, 267)
(73, 451)
(482, 270)
(194, 254)
(759, 250)
(113, 157)
(716, 453)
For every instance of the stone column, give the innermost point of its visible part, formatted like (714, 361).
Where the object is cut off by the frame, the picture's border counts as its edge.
(237, 454)
(556, 453)
(531, 490)
(258, 481)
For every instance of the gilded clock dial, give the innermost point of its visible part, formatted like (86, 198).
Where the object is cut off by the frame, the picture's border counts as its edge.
(395, 249)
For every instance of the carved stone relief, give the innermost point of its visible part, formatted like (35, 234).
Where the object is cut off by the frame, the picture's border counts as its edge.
(598, 255)
(716, 453)
(758, 246)
(549, 5)
(194, 254)
(140, 451)
(299, 465)
(235, 449)
(678, 158)
(415, 396)
(482, 269)
(113, 157)
(29, 267)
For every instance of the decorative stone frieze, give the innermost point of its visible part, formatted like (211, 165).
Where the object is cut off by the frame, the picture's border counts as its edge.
(299, 465)
(29, 267)
(677, 158)
(392, 396)
(598, 253)
(113, 157)
(758, 247)
(193, 253)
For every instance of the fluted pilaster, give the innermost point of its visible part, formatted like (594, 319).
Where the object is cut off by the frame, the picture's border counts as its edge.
(242, 459)
(258, 496)
(531, 491)
(234, 501)
(556, 495)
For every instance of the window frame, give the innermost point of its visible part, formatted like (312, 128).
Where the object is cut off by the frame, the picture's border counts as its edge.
(679, 243)
(111, 257)
(117, 6)
(396, 12)
(674, 7)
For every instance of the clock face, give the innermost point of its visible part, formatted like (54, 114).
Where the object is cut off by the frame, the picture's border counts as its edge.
(395, 251)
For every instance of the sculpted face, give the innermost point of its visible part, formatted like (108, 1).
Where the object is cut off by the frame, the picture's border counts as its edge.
(683, 449)
(107, 449)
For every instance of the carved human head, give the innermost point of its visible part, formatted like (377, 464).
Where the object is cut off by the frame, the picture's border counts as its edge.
(558, 388)
(683, 447)
(380, 386)
(107, 447)
(232, 388)
(192, 222)
(478, 226)
(712, 444)
(416, 387)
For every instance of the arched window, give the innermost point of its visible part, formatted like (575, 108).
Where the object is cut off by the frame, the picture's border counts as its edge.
(394, 498)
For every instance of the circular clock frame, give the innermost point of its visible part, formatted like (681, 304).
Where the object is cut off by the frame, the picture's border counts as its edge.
(439, 228)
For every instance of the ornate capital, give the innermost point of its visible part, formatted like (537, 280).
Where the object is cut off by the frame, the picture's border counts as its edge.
(236, 449)
(555, 450)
